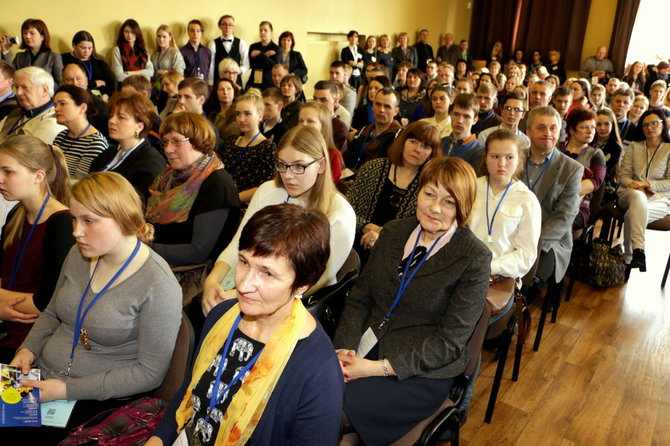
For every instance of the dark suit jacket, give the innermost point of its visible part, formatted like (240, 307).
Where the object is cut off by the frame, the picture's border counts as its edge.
(399, 56)
(7, 106)
(434, 319)
(558, 194)
(296, 64)
(140, 168)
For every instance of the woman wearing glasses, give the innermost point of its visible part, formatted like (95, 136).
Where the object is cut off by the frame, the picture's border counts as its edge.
(304, 178)
(581, 128)
(644, 184)
(193, 203)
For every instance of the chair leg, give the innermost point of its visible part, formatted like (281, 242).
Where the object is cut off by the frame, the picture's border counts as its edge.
(503, 348)
(571, 284)
(517, 360)
(540, 329)
(665, 274)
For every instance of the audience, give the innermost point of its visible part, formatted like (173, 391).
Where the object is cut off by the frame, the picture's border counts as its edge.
(273, 127)
(167, 57)
(609, 141)
(36, 41)
(262, 58)
(598, 66)
(462, 143)
(197, 57)
(223, 116)
(8, 101)
(289, 57)
(229, 46)
(440, 101)
(291, 89)
(99, 74)
(327, 94)
(130, 56)
(318, 116)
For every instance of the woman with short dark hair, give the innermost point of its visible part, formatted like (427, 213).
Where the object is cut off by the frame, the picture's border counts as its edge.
(36, 41)
(290, 58)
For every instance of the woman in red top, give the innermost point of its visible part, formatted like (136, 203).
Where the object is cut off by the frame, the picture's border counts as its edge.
(36, 237)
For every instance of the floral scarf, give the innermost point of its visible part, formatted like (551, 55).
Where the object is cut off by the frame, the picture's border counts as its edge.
(248, 404)
(173, 192)
(133, 58)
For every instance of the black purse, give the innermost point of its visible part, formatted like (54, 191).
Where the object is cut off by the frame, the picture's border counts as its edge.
(606, 267)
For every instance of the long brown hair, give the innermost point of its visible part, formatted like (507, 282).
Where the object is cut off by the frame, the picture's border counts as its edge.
(35, 155)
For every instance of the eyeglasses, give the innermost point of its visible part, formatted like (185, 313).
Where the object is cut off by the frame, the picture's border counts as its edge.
(513, 109)
(175, 141)
(652, 124)
(296, 169)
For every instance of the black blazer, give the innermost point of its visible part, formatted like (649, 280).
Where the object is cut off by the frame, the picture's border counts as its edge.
(428, 330)
(140, 168)
(296, 64)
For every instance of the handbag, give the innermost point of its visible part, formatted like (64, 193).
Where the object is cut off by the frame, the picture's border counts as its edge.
(606, 267)
(129, 425)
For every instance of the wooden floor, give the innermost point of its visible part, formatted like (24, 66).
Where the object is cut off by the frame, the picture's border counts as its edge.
(601, 376)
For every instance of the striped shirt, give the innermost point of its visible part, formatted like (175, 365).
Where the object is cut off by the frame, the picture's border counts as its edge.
(80, 152)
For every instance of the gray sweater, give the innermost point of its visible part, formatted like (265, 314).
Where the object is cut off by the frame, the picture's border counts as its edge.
(132, 331)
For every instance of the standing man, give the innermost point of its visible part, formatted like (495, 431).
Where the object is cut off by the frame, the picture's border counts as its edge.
(199, 60)
(424, 52)
(598, 66)
(229, 46)
(449, 51)
(7, 98)
(555, 179)
(34, 89)
(353, 55)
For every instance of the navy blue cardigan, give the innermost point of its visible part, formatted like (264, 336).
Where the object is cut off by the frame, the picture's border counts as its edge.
(305, 406)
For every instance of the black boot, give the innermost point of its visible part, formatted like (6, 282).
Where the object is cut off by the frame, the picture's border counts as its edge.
(639, 260)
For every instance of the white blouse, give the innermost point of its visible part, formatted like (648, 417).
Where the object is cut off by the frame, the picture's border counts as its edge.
(515, 231)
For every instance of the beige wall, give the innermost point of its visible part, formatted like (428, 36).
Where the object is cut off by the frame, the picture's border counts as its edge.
(599, 26)
(64, 18)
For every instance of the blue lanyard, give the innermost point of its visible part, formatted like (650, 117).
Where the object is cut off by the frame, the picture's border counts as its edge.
(111, 166)
(83, 131)
(233, 168)
(79, 321)
(487, 117)
(489, 224)
(406, 279)
(18, 257)
(16, 125)
(216, 397)
(537, 180)
(88, 65)
(651, 159)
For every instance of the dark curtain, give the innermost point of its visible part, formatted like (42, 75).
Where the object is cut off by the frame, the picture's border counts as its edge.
(560, 25)
(626, 12)
(530, 25)
(493, 20)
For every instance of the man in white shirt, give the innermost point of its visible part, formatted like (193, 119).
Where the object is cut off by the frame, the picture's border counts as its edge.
(229, 46)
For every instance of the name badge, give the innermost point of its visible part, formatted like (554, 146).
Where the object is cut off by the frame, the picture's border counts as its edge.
(258, 76)
(367, 343)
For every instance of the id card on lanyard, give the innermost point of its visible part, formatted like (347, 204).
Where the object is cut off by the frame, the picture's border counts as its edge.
(369, 339)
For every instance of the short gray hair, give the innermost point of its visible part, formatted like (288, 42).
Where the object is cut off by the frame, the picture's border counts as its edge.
(38, 76)
(542, 111)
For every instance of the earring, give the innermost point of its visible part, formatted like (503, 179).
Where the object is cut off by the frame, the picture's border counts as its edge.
(137, 134)
(297, 296)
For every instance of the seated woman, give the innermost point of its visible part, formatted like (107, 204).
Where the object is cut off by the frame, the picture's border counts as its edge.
(36, 237)
(36, 42)
(223, 110)
(249, 156)
(303, 178)
(81, 143)
(440, 100)
(363, 115)
(193, 204)
(100, 76)
(640, 105)
(130, 56)
(644, 180)
(132, 116)
(581, 129)
(412, 96)
(230, 69)
(598, 97)
(317, 115)
(609, 141)
(273, 390)
(386, 189)
(506, 215)
(291, 89)
(290, 58)
(581, 95)
(167, 57)
(167, 98)
(399, 373)
(635, 77)
(120, 341)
